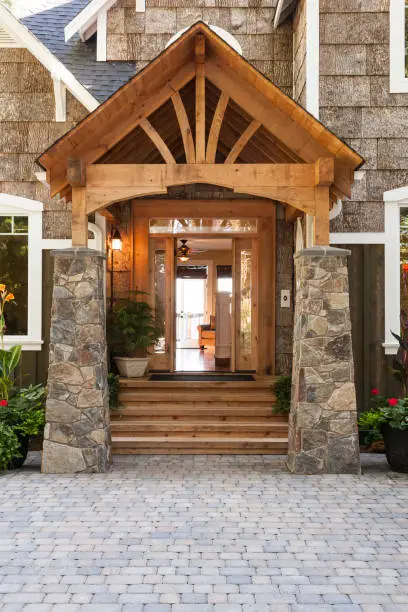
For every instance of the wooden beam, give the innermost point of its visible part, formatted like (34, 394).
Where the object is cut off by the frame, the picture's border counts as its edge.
(185, 128)
(325, 171)
(79, 217)
(321, 218)
(100, 198)
(292, 213)
(215, 129)
(142, 176)
(204, 209)
(76, 175)
(158, 141)
(141, 254)
(242, 141)
(200, 98)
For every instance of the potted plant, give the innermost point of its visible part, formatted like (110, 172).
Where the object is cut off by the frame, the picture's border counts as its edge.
(132, 330)
(369, 424)
(394, 427)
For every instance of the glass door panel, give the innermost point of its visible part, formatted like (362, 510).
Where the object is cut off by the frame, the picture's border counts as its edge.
(246, 303)
(162, 297)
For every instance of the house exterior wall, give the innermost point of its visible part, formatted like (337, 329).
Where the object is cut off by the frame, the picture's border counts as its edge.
(299, 54)
(141, 37)
(27, 128)
(356, 104)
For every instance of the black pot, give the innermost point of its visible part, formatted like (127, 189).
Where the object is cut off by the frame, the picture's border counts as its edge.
(396, 447)
(17, 462)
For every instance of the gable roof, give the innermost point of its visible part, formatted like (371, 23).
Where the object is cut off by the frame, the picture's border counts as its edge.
(46, 20)
(284, 122)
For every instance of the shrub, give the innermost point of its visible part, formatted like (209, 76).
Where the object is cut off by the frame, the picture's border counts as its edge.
(283, 388)
(9, 445)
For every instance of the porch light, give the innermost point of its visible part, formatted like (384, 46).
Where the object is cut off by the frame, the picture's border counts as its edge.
(116, 240)
(183, 252)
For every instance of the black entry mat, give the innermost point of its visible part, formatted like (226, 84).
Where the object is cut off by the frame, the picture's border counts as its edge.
(203, 377)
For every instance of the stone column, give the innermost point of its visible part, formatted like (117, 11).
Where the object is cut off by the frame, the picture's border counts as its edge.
(77, 432)
(323, 435)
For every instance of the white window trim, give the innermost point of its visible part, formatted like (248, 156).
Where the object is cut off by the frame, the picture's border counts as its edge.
(398, 81)
(101, 36)
(85, 22)
(13, 205)
(394, 200)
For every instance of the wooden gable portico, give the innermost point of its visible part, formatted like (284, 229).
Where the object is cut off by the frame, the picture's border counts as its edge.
(200, 113)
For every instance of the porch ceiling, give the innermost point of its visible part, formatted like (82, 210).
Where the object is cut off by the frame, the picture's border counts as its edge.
(241, 118)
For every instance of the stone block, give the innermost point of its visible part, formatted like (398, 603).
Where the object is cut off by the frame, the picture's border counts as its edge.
(322, 422)
(354, 28)
(77, 432)
(343, 60)
(344, 91)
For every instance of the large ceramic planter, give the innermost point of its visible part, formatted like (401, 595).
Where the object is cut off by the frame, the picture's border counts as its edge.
(396, 447)
(132, 367)
(18, 462)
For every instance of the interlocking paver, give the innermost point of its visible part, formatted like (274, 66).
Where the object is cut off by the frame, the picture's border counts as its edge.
(203, 534)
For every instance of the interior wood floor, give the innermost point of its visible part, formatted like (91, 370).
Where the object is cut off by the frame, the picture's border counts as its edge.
(195, 360)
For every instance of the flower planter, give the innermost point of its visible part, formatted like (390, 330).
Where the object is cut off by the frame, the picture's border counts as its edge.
(396, 447)
(17, 462)
(132, 367)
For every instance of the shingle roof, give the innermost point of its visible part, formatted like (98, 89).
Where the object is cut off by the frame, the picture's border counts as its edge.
(46, 19)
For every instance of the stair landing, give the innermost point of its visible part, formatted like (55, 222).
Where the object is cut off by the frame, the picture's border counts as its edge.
(201, 417)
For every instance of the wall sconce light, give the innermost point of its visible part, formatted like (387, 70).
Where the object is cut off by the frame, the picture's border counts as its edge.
(116, 245)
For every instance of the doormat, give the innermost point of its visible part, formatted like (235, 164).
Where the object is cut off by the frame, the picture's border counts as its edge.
(202, 377)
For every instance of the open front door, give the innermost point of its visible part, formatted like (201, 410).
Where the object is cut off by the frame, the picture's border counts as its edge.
(162, 283)
(245, 288)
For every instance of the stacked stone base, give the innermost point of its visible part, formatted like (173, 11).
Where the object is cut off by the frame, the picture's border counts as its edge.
(323, 436)
(77, 432)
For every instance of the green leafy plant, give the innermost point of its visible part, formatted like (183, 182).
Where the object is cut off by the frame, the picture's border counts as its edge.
(283, 388)
(113, 385)
(400, 369)
(9, 445)
(9, 359)
(132, 327)
(24, 412)
(396, 413)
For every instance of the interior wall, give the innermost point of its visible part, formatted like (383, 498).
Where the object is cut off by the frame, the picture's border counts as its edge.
(220, 258)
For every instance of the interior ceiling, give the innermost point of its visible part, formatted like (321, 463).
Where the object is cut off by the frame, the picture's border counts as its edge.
(137, 147)
(208, 244)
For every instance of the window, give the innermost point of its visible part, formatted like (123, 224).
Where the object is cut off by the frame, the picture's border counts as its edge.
(21, 268)
(399, 46)
(202, 226)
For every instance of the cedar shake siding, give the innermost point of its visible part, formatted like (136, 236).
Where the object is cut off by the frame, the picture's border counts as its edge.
(141, 37)
(356, 104)
(27, 128)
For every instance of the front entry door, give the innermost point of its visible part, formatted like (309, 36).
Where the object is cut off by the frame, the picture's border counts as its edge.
(162, 285)
(245, 287)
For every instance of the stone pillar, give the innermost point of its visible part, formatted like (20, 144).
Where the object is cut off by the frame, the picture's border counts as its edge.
(323, 435)
(77, 432)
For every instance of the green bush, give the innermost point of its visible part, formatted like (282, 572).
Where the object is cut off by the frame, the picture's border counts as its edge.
(113, 384)
(25, 410)
(9, 445)
(283, 388)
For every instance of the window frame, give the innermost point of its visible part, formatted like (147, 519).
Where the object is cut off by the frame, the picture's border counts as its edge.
(18, 206)
(398, 80)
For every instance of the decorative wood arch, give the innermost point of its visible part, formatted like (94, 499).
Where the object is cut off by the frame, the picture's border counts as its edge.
(211, 118)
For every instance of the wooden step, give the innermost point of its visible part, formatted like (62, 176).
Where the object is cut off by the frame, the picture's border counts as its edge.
(151, 445)
(145, 383)
(199, 428)
(204, 397)
(195, 410)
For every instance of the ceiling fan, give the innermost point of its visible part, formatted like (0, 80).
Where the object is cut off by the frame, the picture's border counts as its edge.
(184, 252)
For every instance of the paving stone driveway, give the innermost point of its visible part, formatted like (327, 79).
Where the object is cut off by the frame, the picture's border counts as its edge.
(216, 534)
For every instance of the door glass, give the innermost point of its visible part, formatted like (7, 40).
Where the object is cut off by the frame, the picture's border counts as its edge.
(190, 308)
(159, 270)
(246, 301)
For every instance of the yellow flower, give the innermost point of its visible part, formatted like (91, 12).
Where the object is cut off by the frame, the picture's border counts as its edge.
(9, 297)
(2, 287)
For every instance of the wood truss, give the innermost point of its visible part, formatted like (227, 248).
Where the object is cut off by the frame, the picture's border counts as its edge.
(200, 113)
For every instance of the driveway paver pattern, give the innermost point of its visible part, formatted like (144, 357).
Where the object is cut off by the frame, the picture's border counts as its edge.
(204, 534)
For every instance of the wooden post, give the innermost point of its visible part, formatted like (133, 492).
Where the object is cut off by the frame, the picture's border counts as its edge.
(141, 254)
(321, 219)
(200, 98)
(79, 217)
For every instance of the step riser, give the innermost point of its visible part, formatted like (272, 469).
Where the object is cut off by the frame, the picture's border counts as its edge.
(199, 434)
(196, 451)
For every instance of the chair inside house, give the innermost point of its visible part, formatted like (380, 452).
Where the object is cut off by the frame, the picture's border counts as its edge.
(206, 334)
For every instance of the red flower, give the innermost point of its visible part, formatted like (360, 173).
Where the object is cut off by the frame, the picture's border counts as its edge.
(405, 267)
(374, 392)
(3, 403)
(393, 401)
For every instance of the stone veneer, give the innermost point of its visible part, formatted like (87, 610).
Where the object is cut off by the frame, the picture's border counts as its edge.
(77, 432)
(323, 435)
